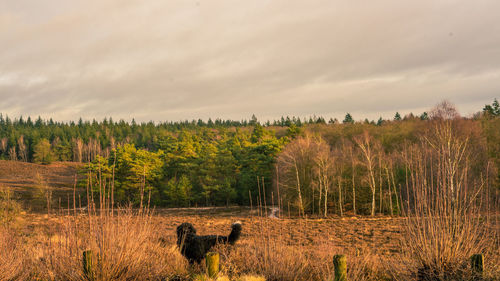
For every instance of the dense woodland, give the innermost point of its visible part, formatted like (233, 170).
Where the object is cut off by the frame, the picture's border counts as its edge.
(311, 166)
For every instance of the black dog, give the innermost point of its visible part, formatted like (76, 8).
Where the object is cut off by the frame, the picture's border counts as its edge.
(194, 247)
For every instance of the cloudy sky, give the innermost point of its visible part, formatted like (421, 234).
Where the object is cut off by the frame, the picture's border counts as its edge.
(175, 60)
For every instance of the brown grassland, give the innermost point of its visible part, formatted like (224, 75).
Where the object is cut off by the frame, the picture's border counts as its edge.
(140, 244)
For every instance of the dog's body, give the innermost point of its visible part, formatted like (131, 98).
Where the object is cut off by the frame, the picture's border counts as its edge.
(194, 247)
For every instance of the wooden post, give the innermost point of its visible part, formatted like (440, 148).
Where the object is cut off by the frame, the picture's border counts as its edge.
(88, 264)
(212, 260)
(477, 263)
(339, 262)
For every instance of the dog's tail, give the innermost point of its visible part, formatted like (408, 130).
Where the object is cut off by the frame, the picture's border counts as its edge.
(235, 233)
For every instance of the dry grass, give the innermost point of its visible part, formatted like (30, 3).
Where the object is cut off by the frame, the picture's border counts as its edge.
(12, 257)
(141, 246)
(125, 246)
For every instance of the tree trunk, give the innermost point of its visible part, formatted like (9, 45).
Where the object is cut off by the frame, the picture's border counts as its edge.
(390, 193)
(340, 196)
(380, 181)
(301, 206)
(353, 185)
(320, 192)
(326, 194)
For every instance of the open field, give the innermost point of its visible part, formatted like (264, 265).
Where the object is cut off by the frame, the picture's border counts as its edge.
(380, 234)
(277, 249)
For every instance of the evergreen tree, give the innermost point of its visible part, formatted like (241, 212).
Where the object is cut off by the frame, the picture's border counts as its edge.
(424, 116)
(493, 109)
(253, 121)
(496, 107)
(380, 121)
(258, 133)
(397, 117)
(292, 131)
(43, 152)
(348, 119)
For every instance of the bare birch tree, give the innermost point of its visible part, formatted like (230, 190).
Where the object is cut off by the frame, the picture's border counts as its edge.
(366, 143)
(305, 164)
(324, 161)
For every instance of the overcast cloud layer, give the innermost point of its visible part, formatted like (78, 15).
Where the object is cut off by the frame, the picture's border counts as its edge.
(174, 60)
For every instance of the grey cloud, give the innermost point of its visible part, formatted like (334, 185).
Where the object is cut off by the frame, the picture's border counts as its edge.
(187, 59)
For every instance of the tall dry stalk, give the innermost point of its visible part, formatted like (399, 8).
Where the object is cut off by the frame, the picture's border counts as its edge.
(12, 260)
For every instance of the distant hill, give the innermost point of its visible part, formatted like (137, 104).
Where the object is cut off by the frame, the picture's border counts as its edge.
(24, 180)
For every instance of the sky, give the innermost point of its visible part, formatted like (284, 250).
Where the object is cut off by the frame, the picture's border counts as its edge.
(177, 60)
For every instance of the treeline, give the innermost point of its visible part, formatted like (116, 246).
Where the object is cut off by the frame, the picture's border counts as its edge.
(366, 169)
(84, 140)
(21, 139)
(319, 167)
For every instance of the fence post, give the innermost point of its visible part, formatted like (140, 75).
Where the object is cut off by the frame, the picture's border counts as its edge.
(339, 262)
(477, 263)
(88, 264)
(212, 260)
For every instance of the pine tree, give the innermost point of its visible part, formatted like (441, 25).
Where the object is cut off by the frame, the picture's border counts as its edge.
(424, 116)
(348, 119)
(496, 107)
(253, 121)
(397, 117)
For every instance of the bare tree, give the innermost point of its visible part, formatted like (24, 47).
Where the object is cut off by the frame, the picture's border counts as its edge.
(350, 147)
(324, 166)
(77, 150)
(389, 188)
(3, 144)
(291, 161)
(23, 151)
(367, 145)
(444, 110)
(12, 153)
(305, 164)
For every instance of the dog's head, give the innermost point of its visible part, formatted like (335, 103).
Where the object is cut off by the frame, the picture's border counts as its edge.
(184, 231)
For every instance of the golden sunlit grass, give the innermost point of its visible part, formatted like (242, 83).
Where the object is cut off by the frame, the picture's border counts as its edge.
(133, 245)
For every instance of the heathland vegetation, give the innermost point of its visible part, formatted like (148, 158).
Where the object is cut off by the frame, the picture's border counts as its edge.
(435, 177)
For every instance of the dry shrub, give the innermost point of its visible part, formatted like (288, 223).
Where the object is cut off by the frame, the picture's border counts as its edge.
(9, 209)
(444, 225)
(125, 246)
